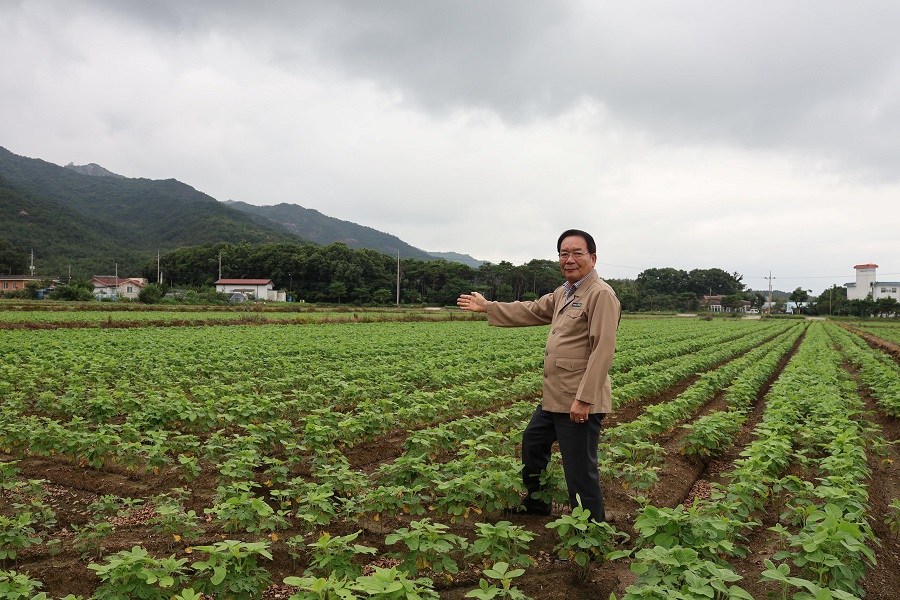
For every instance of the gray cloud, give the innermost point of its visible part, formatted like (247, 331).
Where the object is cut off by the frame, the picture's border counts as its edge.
(692, 134)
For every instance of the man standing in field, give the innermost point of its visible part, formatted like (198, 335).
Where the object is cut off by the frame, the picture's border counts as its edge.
(583, 315)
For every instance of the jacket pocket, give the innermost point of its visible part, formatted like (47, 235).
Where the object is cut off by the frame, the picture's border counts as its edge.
(569, 373)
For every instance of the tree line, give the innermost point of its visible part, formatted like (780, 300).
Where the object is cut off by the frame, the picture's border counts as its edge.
(337, 273)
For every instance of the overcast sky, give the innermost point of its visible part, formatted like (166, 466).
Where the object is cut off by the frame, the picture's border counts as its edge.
(754, 137)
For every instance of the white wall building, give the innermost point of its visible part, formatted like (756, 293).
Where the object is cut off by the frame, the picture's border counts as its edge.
(866, 284)
(261, 289)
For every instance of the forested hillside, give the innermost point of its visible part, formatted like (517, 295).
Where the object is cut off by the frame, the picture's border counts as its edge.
(93, 223)
(85, 220)
(312, 225)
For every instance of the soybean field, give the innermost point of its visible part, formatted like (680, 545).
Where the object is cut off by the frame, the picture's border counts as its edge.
(744, 458)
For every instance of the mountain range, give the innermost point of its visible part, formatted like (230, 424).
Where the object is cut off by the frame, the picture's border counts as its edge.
(86, 220)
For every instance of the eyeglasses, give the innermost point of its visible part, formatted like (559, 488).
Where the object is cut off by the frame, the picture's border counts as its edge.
(575, 255)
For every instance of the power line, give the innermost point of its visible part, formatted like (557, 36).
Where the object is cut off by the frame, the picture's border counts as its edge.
(622, 266)
(806, 276)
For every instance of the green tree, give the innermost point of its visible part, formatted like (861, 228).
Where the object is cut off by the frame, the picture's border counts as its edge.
(734, 301)
(887, 307)
(862, 308)
(382, 296)
(833, 301)
(152, 293)
(663, 281)
(799, 296)
(77, 290)
(713, 282)
(337, 290)
(757, 300)
(627, 292)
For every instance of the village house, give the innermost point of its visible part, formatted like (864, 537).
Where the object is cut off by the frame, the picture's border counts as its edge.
(14, 283)
(867, 284)
(114, 288)
(714, 304)
(261, 289)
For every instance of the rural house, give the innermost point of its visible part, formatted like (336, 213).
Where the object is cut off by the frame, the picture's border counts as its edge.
(117, 287)
(714, 303)
(15, 283)
(261, 289)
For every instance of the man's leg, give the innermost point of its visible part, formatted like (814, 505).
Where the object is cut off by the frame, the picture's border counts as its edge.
(578, 446)
(537, 441)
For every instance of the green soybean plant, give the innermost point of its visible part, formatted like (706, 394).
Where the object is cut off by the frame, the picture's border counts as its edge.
(781, 574)
(18, 585)
(321, 588)
(429, 546)
(15, 534)
(135, 574)
(394, 584)
(502, 573)
(334, 555)
(553, 485)
(232, 569)
(9, 474)
(893, 518)
(583, 540)
(502, 542)
(171, 520)
(831, 549)
(698, 526)
(90, 539)
(679, 572)
(246, 512)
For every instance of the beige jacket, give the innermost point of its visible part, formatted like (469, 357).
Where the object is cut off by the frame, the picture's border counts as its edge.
(580, 345)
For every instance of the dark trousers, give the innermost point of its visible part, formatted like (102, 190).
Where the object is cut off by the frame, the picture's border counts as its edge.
(578, 446)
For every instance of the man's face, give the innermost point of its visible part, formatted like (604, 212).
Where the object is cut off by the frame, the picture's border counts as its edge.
(575, 267)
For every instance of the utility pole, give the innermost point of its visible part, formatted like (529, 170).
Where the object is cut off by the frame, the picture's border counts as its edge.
(770, 292)
(398, 278)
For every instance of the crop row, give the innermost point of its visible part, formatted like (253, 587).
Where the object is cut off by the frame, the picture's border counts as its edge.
(876, 370)
(810, 422)
(887, 331)
(710, 434)
(628, 453)
(655, 377)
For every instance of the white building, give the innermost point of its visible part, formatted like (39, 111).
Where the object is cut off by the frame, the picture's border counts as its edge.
(261, 289)
(867, 284)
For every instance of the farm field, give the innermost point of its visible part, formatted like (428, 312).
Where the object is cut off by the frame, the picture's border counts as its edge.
(744, 458)
(23, 316)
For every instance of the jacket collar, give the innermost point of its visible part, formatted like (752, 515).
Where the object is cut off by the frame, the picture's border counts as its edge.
(580, 285)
